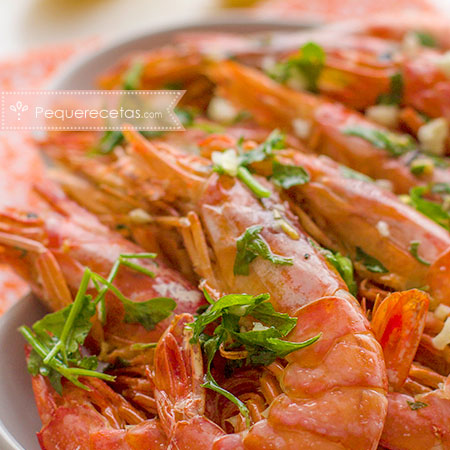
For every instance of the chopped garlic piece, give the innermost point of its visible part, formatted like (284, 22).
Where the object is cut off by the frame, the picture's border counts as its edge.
(385, 184)
(422, 166)
(221, 110)
(442, 312)
(432, 136)
(138, 215)
(289, 230)
(406, 199)
(383, 228)
(268, 63)
(411, 44)
(443, 63)
(302, 128)
(443, 338)
(297, 81)
(228, 161)
(386, 115)
(258, 326)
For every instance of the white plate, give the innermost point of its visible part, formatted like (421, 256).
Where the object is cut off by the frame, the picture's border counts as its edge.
(19, 420)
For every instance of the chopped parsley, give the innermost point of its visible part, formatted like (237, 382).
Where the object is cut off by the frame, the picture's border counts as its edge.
(346, 172)
(425, 39)
(57, 338)
(341, 263)
(306, 65)
(232, 164)
(395, 94)
(416, 405)
(435, 211)
(286, 176)
(249, 246)
(249, 324)
(396, 144)
(132, 77)
(266, 150)
(414, 250)
(185, 116)
(370, 263)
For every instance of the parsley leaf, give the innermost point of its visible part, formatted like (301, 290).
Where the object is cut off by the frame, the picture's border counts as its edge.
(185, 116)
(232, 164)
(275, 141)
(261, 344)
(395, 95)
(414, 250)
(132, 77)
(210, 347)
(53, 323)
(250, 245)
(371, 264)
(441, 188)
(345, 268)
(287, 176)
(346, 172)
(341, 263)
(55, 351)
(111, 139)
(395, 144)
(425, 39)
(228, 162)
(36, 366)
(307, 64)
(57, 338)
(416, 405)
(150, 312)
(431, 209)
(108, 142)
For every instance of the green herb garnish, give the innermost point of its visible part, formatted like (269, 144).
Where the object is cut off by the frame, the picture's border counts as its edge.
(395, 144)
(307, 64)
(266, 150)
(441, 188)
(416, 405)
(259, 335)
(250, 245)
(237, 165)
(286, 176)
(56, 339)
(431, 209)
(132, 77)
(346, 172)
(185, 116)
(395, 94)
(109, 141)
(229, 163)
(371, 264)
(425, 39)
(414, 250)
(341, 263)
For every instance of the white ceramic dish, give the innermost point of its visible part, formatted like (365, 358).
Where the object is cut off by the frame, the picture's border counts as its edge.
(19, 420)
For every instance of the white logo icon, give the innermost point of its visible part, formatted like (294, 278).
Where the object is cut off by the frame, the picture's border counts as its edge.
(18, 108)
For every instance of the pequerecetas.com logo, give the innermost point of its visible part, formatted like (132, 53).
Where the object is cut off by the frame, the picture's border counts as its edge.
(89, 110)
(18, 108)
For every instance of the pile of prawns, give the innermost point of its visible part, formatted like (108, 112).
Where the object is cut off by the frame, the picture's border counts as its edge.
(277, 276)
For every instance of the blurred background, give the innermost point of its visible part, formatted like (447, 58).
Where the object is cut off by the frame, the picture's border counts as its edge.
(26, 24)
